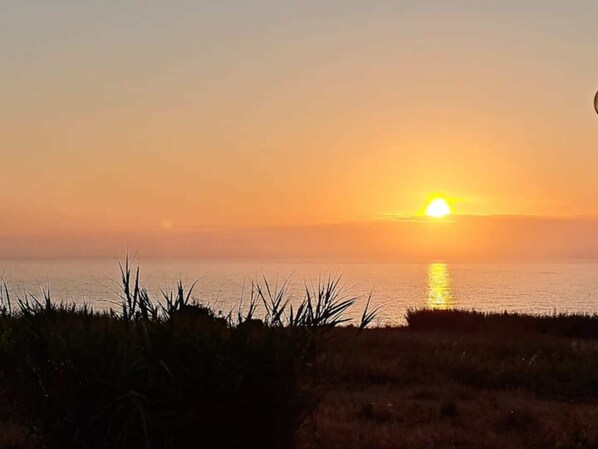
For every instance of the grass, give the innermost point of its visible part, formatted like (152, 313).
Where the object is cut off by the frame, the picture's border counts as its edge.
(500, 381)
(166, 373)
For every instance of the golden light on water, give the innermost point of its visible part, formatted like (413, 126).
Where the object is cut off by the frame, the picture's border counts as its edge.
(438, 208)
(439, 295)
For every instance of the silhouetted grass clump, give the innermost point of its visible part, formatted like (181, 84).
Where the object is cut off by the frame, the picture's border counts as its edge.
(564, 325)
(164, 374)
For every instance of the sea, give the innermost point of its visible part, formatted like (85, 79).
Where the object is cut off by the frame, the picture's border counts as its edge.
(529, 287)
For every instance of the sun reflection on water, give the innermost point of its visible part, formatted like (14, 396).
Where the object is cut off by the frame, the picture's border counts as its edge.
(439, 295)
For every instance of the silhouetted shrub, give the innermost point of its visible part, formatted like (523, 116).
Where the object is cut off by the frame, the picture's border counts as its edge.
(506, 323)
(164, 375)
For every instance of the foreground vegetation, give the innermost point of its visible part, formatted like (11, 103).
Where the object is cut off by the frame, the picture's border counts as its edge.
(173, 374)
(162, 374)
(454, 379)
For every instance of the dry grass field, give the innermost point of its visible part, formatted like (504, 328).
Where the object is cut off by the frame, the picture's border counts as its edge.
(400, 388)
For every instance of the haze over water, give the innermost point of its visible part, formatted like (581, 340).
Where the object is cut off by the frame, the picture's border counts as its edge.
(537, 288)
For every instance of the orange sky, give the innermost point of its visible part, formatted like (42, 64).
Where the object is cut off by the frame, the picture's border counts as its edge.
(144, 119)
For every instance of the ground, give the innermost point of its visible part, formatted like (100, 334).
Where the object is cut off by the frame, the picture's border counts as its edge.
(397, 388)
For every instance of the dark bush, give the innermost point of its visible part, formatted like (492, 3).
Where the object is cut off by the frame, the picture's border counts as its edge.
(164, 375)
(506, 323)
(99, 382)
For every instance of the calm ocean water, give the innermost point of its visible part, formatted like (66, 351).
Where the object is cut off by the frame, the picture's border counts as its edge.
(524, 287)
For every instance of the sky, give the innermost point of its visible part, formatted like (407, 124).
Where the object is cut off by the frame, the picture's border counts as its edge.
(213, 129)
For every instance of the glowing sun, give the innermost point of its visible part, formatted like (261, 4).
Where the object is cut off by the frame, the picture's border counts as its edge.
(438, 208)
